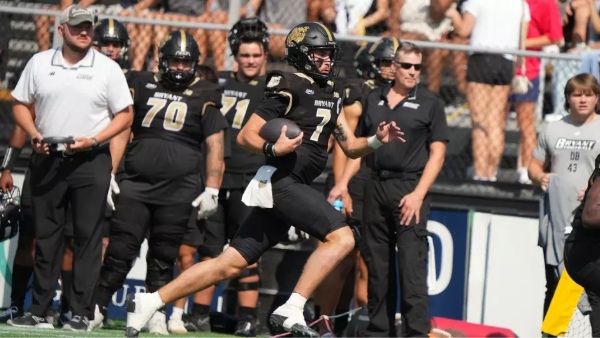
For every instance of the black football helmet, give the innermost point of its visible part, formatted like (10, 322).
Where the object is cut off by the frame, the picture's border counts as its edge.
(384, 49)
(10, 214)
(110, 30)
(248, 30)
(181, 46)
(302, 41)
(362, 62)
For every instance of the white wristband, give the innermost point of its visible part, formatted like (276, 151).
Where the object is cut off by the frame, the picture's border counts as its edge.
(374, 142)
(212, 191)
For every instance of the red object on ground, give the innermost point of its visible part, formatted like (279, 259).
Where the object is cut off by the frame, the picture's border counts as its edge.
(471, 329)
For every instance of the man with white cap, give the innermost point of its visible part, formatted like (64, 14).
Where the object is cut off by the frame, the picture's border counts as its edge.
(79, 97)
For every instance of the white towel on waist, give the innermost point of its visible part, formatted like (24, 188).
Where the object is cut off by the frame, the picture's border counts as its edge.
(259, 192)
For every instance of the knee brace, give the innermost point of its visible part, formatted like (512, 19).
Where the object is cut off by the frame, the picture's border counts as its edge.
(113, 273)
(242, 286)
(159, 272)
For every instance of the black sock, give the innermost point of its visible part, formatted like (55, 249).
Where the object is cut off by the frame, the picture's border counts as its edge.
(67, 285)
(102, 298)
(20, 283)
(200, 309)
(245, 312)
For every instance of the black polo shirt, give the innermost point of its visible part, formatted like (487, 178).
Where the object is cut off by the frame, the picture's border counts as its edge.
(420, 116)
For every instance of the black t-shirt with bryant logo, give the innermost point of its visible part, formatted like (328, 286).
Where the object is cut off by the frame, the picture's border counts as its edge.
(420, 116)
(239, 101)
(297, 97)
(164, 161)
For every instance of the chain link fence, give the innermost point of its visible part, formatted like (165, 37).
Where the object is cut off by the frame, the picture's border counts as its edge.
(496, 147)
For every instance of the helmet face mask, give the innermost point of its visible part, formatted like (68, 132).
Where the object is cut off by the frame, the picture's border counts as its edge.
(303, 42)
(113, 31)
(178, 46)
(381, 54)
(248, 30)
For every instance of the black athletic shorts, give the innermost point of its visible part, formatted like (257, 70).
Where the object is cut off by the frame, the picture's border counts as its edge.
(293, 204)
(490, 69)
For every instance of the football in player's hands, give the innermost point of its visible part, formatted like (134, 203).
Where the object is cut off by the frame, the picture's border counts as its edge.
(271, 130)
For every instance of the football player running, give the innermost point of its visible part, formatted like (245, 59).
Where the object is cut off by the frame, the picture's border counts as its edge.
(310, 99)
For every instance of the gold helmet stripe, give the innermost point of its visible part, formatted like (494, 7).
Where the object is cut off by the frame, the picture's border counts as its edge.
(329, 35)
(396, 44)
(183, 40)
(111, 27)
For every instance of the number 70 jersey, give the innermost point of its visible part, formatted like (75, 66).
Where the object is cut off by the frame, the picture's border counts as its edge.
(184, 116)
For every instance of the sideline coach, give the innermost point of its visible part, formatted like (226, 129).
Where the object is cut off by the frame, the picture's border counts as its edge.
(70, 91)
(397, 201)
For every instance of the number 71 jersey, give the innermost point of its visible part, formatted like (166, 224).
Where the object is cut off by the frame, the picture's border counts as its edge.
(182, 116)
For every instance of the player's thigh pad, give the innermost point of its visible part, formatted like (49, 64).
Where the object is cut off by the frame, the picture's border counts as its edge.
(169, 224)
(236, 212)
(305, 208)
(262, 230)
(128, 228)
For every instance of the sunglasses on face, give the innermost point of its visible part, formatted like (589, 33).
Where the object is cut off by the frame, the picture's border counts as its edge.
(408, 65)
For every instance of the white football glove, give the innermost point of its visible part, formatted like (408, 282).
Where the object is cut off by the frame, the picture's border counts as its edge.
(207, 202)
(113, 188)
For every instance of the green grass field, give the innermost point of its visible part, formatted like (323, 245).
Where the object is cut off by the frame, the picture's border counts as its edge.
(114, 329)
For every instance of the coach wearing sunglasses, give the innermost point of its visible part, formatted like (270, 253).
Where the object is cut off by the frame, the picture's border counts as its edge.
(397, 200)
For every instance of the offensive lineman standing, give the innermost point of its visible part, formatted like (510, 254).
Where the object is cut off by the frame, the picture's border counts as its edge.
(174, 113)
(243, 92)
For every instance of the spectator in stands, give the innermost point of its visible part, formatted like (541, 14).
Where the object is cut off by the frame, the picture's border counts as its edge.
(575, 16)
(44, 22)
(205, 11)
(425, 20)
(141, 35)
(489, 75)
(544, 29)
(348, 17)
(278, 14)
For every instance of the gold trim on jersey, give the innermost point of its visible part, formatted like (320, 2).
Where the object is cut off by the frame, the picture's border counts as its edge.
(304, 76)
(290, 101)
(209, 103)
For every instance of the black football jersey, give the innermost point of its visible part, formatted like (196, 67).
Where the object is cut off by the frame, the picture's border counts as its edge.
(239, 101)
(164, 160)
(580, 232)
(315, 109)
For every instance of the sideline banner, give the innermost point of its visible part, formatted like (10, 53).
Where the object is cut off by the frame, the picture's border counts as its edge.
(448, 252)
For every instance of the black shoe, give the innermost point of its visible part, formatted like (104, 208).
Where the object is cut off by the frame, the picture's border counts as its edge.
(77, 324)
(246, 327)
(297, 330)
(10, 313)
(60, 319)
(196, 323)
(31, 321)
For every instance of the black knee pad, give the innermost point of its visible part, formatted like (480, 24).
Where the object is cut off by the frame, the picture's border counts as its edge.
(241, 286)
(356, 227)
(113, 273)
(159, 272)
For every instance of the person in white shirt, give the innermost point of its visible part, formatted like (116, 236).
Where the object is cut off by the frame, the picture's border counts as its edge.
(81, 96)
(494, 25)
